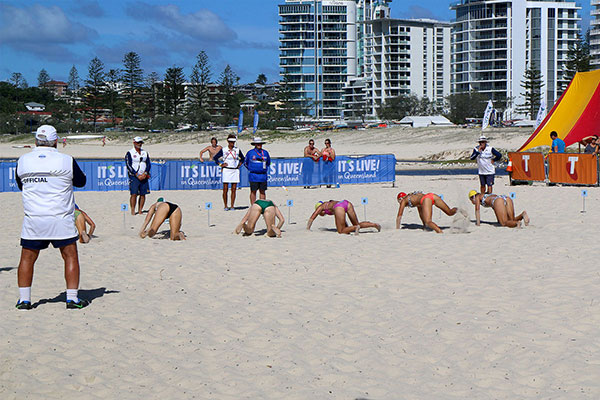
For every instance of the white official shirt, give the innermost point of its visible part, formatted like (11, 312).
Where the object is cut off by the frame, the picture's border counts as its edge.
(48, 201)
(231, 157)
(139, 160)
(485, 162)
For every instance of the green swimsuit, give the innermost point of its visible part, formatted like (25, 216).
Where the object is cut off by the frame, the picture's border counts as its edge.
(264, 204)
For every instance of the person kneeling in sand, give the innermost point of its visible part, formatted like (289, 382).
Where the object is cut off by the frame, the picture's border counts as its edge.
(269, 211)
(339, 209)
(158, 213)
(503, 207)
(81, 219)
(424, 203)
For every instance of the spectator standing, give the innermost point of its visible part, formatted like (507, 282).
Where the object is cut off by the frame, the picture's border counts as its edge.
(328, 163)
(231, 160)
(213, 149)
(257, 161)
(138, 167)
(312, 156)
(485, 156)
(558, 145)
(46, 178)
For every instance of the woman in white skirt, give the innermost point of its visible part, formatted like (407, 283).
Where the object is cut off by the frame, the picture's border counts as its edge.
(230, 160)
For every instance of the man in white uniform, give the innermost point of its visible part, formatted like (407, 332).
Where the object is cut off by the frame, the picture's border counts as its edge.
(46, 178)
(486, 156)
(138, 165)
(231, 160)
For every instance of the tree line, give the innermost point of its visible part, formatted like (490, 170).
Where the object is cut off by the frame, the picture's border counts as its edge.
(141, 100)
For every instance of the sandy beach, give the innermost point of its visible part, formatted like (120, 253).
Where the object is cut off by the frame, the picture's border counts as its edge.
(478, 313)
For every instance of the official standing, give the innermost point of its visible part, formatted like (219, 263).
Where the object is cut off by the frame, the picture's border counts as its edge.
(46, 178)
(485, 156)
(257, 161)
(138, 167)
(230, 161)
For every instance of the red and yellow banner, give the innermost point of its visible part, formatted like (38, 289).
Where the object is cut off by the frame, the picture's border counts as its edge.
(574, 116)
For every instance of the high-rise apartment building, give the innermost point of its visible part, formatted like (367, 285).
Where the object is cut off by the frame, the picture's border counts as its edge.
(346, 57)
(403, 57)
(494, 42)
(318, 45)
(595, 33)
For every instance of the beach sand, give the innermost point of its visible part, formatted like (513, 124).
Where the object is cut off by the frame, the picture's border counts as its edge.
(488, 313)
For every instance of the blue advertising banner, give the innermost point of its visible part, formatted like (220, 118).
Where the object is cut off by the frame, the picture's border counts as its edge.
(191, 175)
(106, 175)
(8, 172)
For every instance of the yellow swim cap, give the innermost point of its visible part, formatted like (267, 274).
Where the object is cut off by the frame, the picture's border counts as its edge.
(472, 193)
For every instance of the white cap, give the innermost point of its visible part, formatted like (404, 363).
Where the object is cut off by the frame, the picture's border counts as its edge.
(257, 140)
(138, 139)
(231, 139)
(46, 132)
(482, 139)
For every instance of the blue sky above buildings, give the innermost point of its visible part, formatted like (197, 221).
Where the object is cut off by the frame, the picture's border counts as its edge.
(55, 35)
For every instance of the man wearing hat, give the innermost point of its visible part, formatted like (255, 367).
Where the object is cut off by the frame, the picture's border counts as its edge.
(138, 167)
(46, 178)
(257, 161)
(486, 155)
(230, 161)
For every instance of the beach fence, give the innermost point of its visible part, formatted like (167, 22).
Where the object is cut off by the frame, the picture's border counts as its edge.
(565, 168)
(108, 175)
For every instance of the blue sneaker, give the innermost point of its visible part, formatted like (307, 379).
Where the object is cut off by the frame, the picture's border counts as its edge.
(23, 305)
(71, 305)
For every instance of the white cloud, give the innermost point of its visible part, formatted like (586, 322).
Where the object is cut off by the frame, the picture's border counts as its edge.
(203, 25)
(39, 24)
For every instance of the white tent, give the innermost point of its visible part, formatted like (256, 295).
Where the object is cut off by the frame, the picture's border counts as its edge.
(425, 121)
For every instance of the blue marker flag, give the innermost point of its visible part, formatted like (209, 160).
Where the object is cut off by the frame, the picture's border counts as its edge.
(124, 207)
(290, 203)
(513, 195)
(255, 121)
(584, 193)
(241, 121)
(208, 206)
(364, 200)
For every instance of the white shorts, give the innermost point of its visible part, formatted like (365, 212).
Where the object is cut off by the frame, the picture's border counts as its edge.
(230, 175)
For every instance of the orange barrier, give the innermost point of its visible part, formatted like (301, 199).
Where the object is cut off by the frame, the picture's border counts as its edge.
(527, 166)
(572, 168)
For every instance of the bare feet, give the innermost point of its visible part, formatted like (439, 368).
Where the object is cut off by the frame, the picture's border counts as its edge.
(276, 230)
(525, 218)
(143, 234)
(181, 235)
(238, 229)
(378, 227)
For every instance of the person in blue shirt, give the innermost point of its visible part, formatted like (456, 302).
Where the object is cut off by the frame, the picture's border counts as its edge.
(558, 145)
(257, 161)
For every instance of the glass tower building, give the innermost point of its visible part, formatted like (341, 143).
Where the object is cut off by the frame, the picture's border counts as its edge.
(318, 53)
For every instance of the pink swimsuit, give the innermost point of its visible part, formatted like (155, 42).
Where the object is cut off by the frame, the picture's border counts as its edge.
(343, 204)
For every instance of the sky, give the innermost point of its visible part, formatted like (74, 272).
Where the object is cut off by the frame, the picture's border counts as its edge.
(55, 35)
